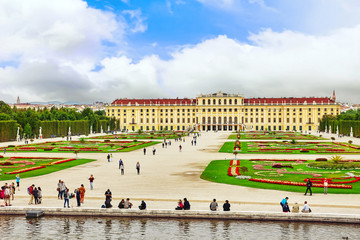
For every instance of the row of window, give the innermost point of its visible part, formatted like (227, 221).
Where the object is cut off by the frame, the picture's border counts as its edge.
(220, 102)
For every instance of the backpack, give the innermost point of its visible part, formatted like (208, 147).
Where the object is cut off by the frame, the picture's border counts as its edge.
(28, 190)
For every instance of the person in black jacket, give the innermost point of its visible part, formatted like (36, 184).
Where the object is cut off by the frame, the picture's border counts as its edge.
(142, 205)
(226, 205)
(77, 193)
(186, 204)
(308, 186)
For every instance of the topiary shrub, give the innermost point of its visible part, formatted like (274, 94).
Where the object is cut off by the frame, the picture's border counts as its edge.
(350, 142)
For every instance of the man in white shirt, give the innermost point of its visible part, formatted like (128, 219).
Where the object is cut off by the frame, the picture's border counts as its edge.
(306, 208)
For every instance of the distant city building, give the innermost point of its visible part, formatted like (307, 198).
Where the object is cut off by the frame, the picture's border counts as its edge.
(222, 111)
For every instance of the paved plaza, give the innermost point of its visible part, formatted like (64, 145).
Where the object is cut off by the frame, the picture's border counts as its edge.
(171, 175)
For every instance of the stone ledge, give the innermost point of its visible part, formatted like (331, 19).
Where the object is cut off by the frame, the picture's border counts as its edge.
(191, 214)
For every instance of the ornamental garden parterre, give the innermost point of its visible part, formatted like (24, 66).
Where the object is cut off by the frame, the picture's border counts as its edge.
(288, 174)
(105, 146)
(144, 135)
(35, 166)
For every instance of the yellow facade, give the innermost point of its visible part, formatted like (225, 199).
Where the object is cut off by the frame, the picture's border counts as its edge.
(223, 112)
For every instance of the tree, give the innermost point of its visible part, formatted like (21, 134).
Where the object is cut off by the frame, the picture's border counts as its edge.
(27, 130)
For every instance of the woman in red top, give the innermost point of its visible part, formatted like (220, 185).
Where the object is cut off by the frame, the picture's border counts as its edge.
(180, 205)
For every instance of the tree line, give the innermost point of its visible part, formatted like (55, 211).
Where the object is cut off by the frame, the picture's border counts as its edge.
(30, 120)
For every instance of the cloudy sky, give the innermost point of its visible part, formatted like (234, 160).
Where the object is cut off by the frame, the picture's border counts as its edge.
(100, 50)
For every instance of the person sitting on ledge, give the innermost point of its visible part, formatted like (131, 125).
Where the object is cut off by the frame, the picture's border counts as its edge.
(214, 205)
(142, 205)
(226, 206)
(286, 207)
(121, 203)
(295, 208)
(186, 204)
(180, 205)
(306, 208)
(108, 203)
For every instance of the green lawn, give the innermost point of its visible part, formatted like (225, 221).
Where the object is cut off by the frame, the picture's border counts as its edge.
(286, 147)
(275, 135)
(217, 171)
(105, 146)
(42, 171)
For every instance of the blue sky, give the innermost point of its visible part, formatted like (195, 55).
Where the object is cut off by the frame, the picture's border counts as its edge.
(100, 50)
(172, 23)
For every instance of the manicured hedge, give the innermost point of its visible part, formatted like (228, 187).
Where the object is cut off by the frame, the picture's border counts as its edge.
(344, 126)
(8, 130)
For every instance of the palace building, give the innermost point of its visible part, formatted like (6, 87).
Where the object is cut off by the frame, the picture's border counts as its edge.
(223, 112)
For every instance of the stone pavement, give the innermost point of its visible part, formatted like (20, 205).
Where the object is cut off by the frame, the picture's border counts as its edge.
(171, 175)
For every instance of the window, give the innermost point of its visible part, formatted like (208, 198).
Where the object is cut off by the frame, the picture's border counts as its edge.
(279, 121)
(124, 120)
(269, 120)
(203, 101)
(219, 101)
(274, 120)
(230, 101)
(224, 101)
(214, 101)
(209, 102)
(294, 120)
(235, 101)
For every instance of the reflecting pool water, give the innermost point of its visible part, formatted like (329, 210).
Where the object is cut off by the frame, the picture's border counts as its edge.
(124, 228)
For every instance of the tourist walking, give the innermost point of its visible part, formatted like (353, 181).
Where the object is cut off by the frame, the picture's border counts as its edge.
(66, 198)
(142, 205)
(4, 150)
(120, 163)
(82, 193)
(144, 151)
(325, 186)
(108, 157)
(122, 169)
(111, 159)
(138, 168)
(308, 186)
(154, 150)
(180, 147)
(214, 205)
(186, 204)
(306, 208)
(226, 206)
(91, 179)
(18, 182)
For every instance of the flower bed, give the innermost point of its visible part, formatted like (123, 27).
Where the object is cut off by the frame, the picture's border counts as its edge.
(25, 170)
(233, 171)
(234, 162)
(297, 183)
(62, 161)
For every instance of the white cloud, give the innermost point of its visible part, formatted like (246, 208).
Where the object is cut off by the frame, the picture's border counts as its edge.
(65, 30)
(56, 53)
(138, 21)
(273, 65)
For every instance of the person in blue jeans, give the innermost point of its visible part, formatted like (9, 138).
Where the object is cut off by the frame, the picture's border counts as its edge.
(66, 198)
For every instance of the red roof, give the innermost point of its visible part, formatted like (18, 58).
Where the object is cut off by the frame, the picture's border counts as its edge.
(290, 100)
(177, 101)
